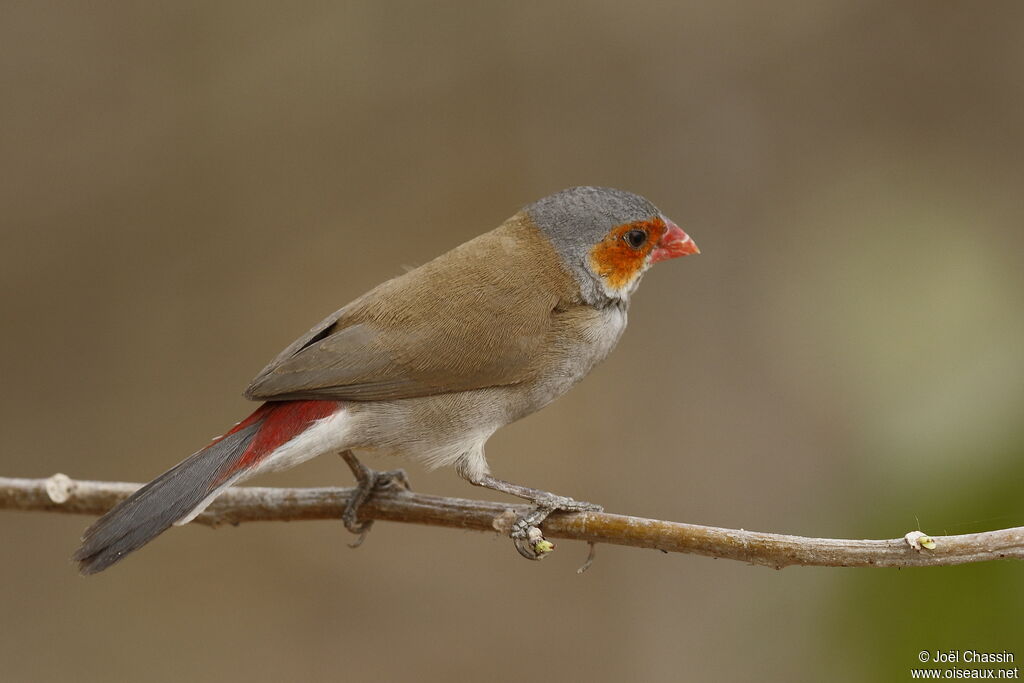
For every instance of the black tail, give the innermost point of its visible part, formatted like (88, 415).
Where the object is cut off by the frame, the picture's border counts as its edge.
(170, 497)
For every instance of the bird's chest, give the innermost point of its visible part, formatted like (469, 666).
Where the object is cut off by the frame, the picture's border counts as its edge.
(598, 333)
(580, 340)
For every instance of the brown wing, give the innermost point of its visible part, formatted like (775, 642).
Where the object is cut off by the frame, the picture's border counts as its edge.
(474, 317)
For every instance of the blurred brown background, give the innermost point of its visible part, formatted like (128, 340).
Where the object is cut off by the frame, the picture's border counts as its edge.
(189, 186)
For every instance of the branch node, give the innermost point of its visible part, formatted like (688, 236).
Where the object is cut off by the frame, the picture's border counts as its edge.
(918, 540)
(503, 523)
(59, 488)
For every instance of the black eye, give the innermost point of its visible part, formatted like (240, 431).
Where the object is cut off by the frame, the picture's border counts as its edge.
(635, 238)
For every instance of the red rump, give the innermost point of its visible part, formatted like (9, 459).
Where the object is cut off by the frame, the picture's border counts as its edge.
(280, 422)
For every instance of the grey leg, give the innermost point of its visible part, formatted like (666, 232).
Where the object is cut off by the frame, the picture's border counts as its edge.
(541, 498)
(367, 481)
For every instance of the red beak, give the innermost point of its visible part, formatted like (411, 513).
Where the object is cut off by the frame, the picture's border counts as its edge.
(673, 244)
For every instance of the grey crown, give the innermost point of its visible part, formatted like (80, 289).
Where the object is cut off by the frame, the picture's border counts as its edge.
(578, 218)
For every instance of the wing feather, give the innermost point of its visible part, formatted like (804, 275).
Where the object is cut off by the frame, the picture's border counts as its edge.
(475, 317)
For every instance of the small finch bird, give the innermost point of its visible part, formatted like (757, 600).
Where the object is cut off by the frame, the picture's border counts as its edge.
(429, 364)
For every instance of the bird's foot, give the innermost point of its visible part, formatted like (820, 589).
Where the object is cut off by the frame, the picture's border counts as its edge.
(526, 534)
(368, 481)
(567, 504)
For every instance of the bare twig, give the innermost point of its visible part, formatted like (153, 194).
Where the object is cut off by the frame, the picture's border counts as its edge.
(251, 504)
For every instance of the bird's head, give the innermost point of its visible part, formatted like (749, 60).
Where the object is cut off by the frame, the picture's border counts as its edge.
(608, 238)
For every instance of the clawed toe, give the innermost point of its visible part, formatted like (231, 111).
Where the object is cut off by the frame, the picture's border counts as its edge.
(529, 541)
(367, 482)
(579, 506)
(391, 479)
(525, 533)
(566, 504)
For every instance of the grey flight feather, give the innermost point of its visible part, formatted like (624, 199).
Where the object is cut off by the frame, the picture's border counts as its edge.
(156, 506)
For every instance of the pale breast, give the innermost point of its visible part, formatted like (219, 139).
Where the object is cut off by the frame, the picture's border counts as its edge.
(581, 338)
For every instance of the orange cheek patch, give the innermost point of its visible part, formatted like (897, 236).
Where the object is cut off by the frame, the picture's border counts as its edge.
(615, 261)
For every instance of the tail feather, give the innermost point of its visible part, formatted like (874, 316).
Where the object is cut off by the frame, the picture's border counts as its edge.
(182, 492)
(156, 506)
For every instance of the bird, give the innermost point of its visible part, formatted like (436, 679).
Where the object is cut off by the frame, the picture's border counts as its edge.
(429, 364)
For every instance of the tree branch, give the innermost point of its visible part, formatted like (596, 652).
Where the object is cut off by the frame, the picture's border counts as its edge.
(252, 504)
